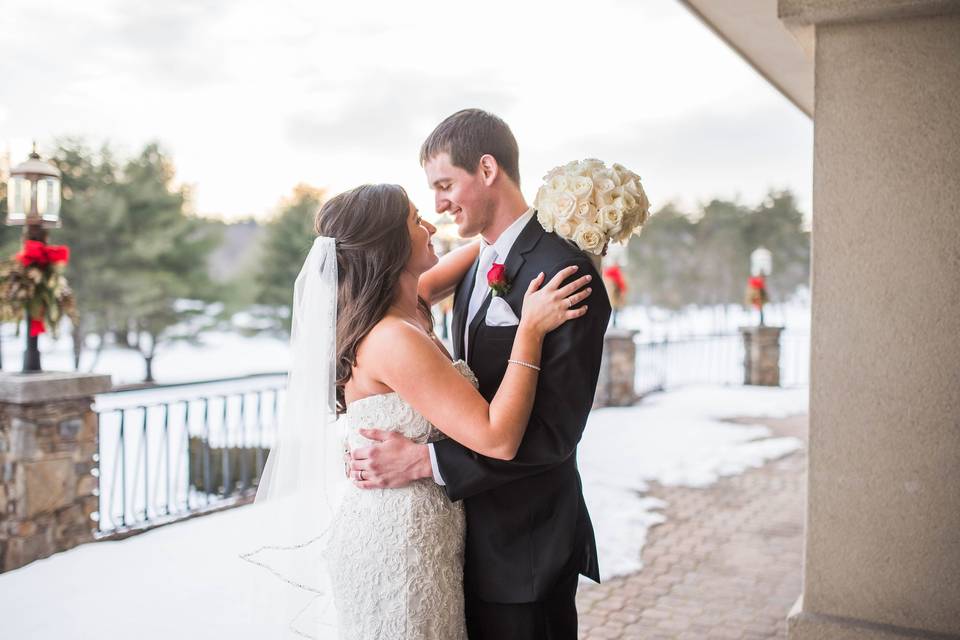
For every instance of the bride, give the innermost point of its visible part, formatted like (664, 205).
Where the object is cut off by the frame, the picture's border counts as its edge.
(394, 556)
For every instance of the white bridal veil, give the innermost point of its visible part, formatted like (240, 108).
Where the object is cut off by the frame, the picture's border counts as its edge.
(297, 494)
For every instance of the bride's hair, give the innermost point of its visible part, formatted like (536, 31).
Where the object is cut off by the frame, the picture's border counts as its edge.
(369, 224)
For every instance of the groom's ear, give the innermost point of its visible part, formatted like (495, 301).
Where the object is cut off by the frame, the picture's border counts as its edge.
(489, 169)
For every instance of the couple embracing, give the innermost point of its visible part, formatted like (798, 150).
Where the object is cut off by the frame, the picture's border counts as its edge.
(464, 514)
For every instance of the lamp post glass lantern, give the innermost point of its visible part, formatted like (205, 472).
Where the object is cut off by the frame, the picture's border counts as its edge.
(33, 201)
(761, 262)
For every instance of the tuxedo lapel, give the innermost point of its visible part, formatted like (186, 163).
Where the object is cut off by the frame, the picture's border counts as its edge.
(523, 245)
(461, 302)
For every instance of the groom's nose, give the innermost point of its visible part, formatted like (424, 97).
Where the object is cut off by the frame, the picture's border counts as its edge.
(441, 204)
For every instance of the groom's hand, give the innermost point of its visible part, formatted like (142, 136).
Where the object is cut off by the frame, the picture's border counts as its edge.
(391, 462)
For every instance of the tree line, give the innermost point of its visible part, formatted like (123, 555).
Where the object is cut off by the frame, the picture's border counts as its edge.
(144, 273)
(702, 257)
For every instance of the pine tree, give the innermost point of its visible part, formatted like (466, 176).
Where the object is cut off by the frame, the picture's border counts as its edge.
(289, 237)
(164, 256)
(93, 214)
(138, 260)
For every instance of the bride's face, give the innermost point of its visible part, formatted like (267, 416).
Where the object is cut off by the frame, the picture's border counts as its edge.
(422, 254)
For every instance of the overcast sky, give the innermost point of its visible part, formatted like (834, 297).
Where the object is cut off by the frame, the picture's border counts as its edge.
(251, 98)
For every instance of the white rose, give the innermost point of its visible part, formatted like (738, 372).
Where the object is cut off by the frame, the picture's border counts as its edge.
(623, 172)
(546, 220)
(559, 182)
(586, 212)
(564, 229)
(604, 199)
(590, 237)
(602, 174)
(630, 186)
(603, 186)
(564, 205)
(588, 166)
(621, 204)
(642, 201)
(628, 199)
(611, 217)
(544, 194)
(582, 187)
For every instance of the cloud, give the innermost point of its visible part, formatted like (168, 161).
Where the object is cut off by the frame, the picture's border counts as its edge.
(387, 111)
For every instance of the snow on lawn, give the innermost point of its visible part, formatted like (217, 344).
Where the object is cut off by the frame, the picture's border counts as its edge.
(186, 580)
(220, 354)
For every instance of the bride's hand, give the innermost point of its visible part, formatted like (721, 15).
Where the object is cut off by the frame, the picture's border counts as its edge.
(546, 309)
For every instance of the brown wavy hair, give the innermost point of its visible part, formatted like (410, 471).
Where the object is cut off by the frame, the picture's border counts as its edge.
(469, 134)
(369, 225)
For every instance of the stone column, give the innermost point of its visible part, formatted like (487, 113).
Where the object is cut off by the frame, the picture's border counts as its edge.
(882, 557)
(761, 355)
(615, 387)
(48, 444)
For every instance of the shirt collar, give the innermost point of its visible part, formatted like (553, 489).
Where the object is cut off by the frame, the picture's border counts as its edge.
(505, 242)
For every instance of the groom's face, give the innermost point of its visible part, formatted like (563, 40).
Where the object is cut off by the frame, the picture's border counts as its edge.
(463, 195)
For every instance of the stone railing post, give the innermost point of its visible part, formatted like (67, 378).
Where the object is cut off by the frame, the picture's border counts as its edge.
(48, 468)
(615, 387)
(761, 355)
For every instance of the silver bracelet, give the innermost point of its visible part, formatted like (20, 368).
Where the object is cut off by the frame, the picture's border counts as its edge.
(525, 364)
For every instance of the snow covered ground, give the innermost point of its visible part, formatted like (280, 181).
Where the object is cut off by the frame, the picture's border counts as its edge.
(185, 579)
(223, 354)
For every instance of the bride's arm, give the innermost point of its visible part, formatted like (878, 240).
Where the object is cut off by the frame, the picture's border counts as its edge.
(439, 281)
(425, 378)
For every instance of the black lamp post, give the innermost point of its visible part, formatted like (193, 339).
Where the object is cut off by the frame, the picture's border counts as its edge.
(33, 201)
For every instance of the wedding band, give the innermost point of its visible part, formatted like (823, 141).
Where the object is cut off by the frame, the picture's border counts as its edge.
(569, 303)
(360, 475)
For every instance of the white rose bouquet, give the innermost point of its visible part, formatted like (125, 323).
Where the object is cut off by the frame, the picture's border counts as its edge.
(590, 204)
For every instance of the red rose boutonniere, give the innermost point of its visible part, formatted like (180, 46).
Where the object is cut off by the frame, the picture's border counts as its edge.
(497, 279)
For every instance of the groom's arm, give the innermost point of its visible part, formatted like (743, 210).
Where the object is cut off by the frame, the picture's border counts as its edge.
(570, 366)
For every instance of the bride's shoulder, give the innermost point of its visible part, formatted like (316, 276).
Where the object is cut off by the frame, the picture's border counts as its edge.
(392, 332)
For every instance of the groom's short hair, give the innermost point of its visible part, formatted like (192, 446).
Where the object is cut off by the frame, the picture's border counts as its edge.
(467, 136)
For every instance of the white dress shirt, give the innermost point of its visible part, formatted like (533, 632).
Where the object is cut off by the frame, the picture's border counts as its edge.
(489, 253)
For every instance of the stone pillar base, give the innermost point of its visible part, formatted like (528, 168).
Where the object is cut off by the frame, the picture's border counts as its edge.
(615, 387)
(803, 625)
(761, 355)
(48, 443)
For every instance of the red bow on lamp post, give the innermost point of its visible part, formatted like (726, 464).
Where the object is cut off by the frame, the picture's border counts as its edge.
(616, 289)
(757, 294)
(33, 288)
(38, 253)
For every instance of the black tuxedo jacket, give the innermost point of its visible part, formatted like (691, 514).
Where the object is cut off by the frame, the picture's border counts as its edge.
(527, 522)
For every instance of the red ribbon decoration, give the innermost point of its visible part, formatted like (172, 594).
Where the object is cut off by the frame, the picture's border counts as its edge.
(42, 254)
(615, 275)
(37, 327)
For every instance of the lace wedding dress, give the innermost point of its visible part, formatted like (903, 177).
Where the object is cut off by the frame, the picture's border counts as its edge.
(396, 555)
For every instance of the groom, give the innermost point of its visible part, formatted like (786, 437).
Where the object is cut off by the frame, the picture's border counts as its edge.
(529, 535)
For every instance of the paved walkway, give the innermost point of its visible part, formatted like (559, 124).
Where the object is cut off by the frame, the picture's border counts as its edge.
(726, 564)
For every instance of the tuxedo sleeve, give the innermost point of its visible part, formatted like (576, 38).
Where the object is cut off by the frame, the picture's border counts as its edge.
(570, 365)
